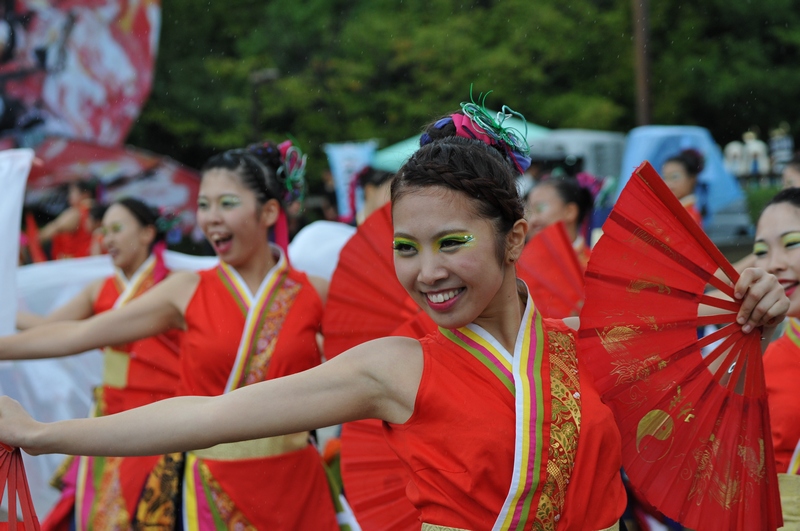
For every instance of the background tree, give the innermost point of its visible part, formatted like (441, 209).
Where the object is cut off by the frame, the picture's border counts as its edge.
(358, 69)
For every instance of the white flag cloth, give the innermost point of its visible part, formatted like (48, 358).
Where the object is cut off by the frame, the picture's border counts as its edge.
(315, 249)
(15, 164)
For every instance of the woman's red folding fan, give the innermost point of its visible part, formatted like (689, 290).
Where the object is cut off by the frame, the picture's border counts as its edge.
(375, 479)
(366, 301)
(551, 269)
(696, 433)
(12, 473)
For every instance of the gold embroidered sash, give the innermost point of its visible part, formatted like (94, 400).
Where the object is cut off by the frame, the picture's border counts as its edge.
(545, 383)
(564, 428)
(266, 312)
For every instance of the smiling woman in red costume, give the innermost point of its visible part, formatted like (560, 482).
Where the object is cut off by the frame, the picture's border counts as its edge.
(492, 415)
(777, 249)
(135, 373)
(250, 319)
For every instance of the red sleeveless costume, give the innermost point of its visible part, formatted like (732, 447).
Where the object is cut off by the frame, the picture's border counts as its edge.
(782, 373)
(458, 445)
(288, 490)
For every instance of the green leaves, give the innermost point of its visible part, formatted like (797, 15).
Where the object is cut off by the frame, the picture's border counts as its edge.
(359, 69)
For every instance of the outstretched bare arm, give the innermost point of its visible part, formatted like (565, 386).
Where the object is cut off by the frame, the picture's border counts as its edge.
(79, 307)
(378, 379)
(156, 311)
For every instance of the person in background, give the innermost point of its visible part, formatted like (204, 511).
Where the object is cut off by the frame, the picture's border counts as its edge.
(70, 233)
(781, 147)
(330, 206)
(95, 222)
(790, 176)
(376, 184)
(680, 173)
(315, 248)
(564, 199)
(135, 373)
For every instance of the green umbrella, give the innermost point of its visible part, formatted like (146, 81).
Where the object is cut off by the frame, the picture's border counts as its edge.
(392, 157)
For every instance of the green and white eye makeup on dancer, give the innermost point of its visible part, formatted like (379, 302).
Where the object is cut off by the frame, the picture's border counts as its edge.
(455, 240)
(448, 242)
(226, 201)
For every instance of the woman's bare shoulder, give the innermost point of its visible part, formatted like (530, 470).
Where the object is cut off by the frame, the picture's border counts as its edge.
(395, 365)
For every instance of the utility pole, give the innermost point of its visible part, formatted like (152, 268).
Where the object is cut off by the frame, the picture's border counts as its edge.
(641, 30)
(259, 78)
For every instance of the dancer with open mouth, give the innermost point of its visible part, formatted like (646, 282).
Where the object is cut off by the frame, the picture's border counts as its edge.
(252, 318)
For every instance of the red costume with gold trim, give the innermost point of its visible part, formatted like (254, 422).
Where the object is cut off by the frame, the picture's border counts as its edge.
(152, 372)
(458, 444)
(782, 373)
(276, 483)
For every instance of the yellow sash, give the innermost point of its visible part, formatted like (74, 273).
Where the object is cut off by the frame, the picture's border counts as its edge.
(115, 368)
(116, 363)
(789, 485)
(254, 449)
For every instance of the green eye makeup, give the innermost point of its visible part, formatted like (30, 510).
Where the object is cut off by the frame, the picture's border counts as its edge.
(790, 239)
(459, 239)
(541, 208)
(403, 244)
(760, 248)
(230, 201)
(114, 228)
